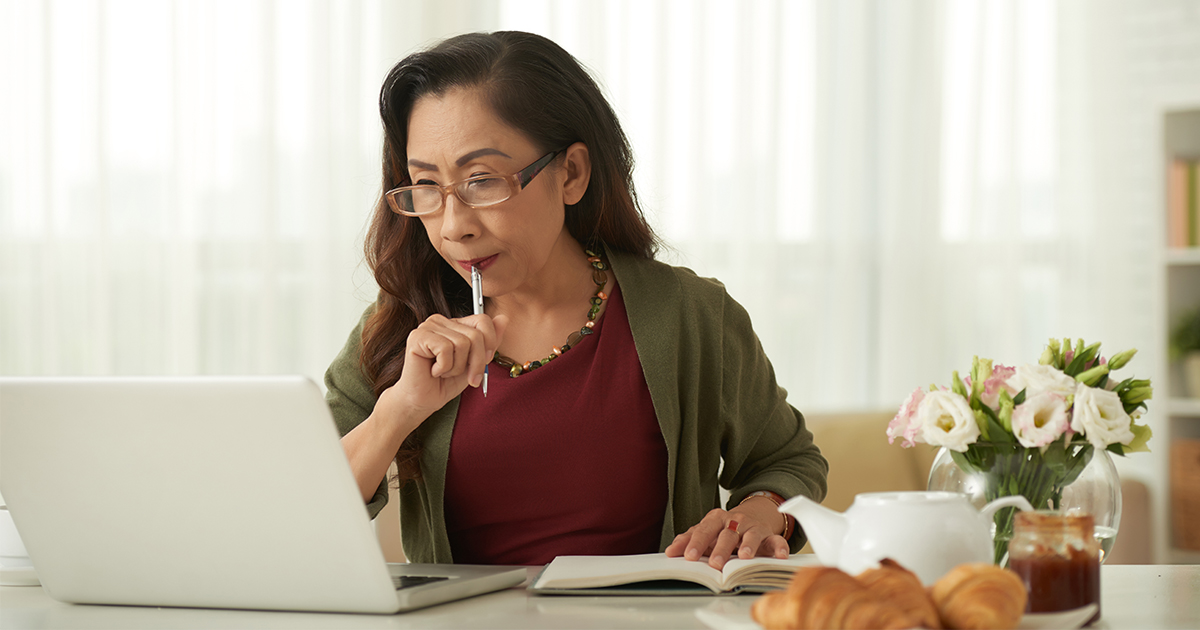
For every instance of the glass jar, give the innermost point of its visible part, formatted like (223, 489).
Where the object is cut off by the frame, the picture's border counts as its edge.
(1058, 557)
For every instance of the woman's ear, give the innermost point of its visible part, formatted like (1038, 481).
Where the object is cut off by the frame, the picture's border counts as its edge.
(577, 168)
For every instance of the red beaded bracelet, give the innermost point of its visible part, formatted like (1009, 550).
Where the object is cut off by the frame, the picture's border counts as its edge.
(789, 521)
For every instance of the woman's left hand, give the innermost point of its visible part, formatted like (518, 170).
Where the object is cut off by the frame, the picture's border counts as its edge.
(745, 530)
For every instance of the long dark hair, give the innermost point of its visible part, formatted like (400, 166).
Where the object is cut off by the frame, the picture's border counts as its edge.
(542, 91)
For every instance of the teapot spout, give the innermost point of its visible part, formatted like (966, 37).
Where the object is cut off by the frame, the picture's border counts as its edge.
(825, 528)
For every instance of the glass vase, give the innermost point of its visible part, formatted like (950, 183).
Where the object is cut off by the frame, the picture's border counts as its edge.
(1077, 478)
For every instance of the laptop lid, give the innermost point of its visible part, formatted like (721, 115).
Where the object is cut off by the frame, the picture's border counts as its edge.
(201, 492)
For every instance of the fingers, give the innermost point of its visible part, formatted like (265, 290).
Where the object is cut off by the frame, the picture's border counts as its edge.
(456, 347)
(725, 546)
(447, 343)
(751, 541)
(775, 545)
(704, 535)
(679, 544)
(722, 535)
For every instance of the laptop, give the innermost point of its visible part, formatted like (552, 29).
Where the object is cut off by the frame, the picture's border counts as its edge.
(201, 492)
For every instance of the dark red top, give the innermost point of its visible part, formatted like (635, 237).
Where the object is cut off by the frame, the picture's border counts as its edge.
(565, 460)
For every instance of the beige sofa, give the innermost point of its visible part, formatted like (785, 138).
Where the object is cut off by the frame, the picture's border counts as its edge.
(861, 460)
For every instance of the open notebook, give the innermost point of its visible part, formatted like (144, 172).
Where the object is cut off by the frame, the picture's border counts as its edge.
(656, 574)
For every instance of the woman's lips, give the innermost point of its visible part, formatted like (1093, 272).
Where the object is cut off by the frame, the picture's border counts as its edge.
(481, 263)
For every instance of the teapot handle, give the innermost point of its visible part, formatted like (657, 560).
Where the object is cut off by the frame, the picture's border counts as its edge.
(1015, 500)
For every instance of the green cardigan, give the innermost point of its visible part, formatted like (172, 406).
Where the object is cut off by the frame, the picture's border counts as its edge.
(713, 390)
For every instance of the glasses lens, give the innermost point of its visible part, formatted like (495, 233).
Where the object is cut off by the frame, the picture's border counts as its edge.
(484, 191)
(419, 200)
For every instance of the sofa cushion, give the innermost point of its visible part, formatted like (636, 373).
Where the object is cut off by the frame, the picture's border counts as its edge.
(860, 458)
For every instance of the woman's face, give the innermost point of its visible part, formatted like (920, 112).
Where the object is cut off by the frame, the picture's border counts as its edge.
(455, 136)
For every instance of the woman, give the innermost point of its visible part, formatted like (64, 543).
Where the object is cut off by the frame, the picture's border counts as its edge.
(629, 380)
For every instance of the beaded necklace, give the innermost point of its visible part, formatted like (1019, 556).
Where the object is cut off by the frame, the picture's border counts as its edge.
(600, 277)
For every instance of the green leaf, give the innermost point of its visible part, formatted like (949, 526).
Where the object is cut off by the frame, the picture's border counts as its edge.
(1132, 407)
(992, 427)
(998, 432)
(1075, 366)
(1123, 387)
(1115, 447)
(985, 458)
(1141, 436)
(962, 462)
(1082, 357)
(1020, 398)
(1078, 462)
(1055, 458)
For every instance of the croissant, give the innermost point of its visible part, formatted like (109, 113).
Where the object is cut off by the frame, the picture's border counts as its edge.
(776, 611)
(899, 587)
(826, 598)
(979, 595)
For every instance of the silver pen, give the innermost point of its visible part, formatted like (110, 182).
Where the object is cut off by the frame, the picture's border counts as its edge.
(477, 307)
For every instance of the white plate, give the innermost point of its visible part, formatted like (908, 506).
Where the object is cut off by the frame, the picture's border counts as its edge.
(1074, 618)
(725, 615)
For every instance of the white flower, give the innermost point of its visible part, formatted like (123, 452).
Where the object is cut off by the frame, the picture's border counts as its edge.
(1099, 416)
(1040, 420)
(947, 420)
(1035, 379)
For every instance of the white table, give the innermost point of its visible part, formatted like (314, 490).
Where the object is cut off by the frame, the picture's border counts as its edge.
(1144, 597)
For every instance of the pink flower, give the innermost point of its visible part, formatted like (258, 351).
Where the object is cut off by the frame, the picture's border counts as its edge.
(1040, 420)
(903, 426)
(996, 382)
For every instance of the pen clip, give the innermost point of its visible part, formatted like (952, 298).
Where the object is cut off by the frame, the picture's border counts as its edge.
(476, 291)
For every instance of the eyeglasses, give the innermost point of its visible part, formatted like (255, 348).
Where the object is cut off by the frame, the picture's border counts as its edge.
(477, 192)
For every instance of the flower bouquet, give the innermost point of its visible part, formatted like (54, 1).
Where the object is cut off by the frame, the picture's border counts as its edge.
(1030, 430)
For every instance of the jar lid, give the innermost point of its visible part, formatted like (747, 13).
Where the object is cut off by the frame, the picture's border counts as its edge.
(1044, 520)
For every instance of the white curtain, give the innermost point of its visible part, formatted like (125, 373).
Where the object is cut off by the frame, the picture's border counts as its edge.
(888, 187)
(882, 184)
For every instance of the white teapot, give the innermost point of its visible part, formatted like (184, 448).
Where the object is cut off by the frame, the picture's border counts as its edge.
(927, 532)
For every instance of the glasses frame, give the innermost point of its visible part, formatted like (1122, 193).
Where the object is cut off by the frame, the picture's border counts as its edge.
(516, 183)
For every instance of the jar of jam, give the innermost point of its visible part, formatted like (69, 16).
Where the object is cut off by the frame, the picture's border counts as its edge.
(1058, 557)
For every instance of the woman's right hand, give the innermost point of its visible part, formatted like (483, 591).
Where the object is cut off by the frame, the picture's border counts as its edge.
(441, 358)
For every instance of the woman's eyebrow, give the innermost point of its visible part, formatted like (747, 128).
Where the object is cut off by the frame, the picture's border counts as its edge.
(480, 153)
(462, 160)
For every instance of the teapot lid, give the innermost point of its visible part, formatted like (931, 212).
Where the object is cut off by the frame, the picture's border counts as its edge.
(909, 497)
